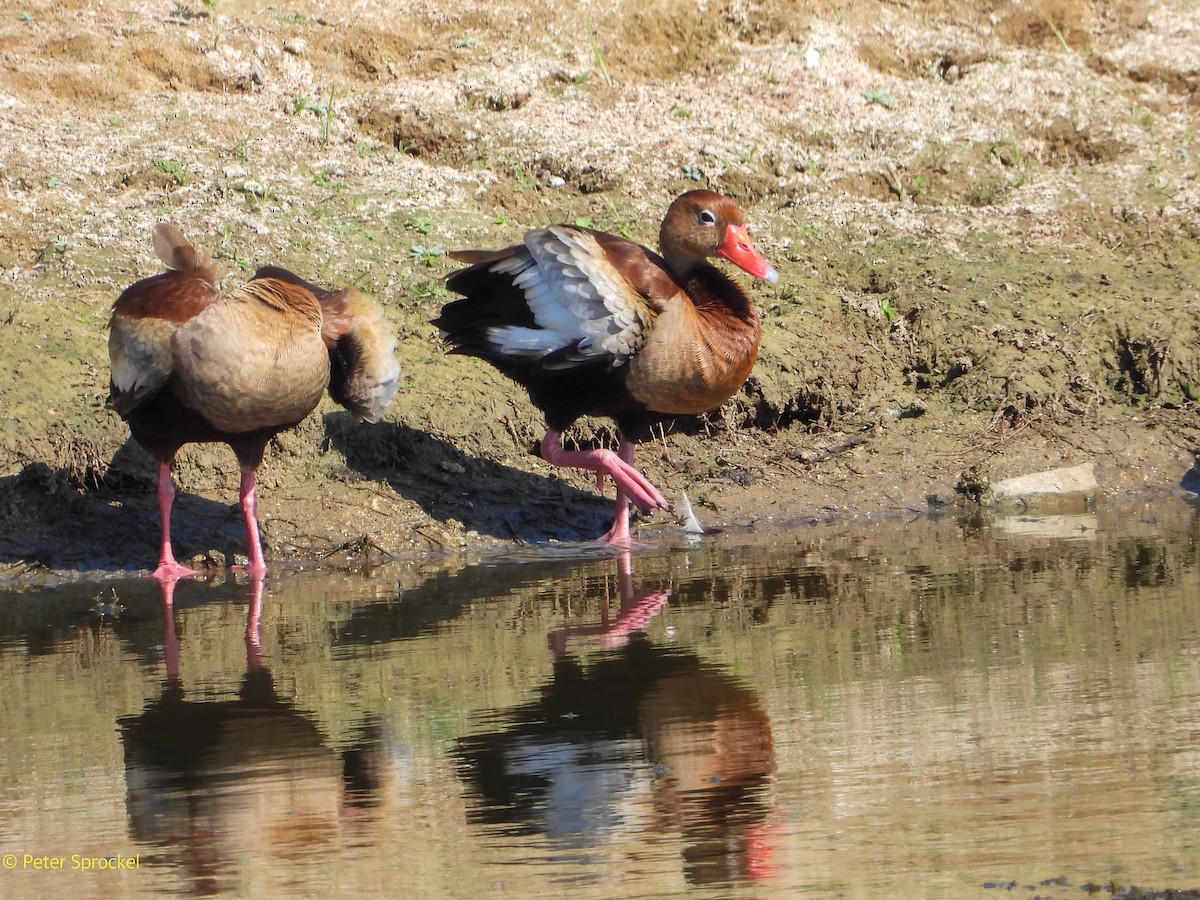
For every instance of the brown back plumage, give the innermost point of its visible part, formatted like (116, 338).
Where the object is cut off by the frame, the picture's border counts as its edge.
(253, 360)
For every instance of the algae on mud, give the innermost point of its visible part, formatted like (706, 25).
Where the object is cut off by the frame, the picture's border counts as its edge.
(986, 230)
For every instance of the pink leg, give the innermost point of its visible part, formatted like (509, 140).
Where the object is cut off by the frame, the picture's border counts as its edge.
(618, 535)
(168, 568)
(249, 496)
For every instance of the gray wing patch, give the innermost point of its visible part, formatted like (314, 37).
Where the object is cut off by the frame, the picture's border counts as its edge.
(574, 292)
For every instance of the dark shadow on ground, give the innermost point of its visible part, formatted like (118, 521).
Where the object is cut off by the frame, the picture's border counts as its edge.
(48, 522)
(105, 521)
(486, 496)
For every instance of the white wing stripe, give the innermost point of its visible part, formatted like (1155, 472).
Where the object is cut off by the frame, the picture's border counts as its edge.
(520, 341)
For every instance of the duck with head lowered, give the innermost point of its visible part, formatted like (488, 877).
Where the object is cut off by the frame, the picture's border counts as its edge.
(595, 324)
(193, 364)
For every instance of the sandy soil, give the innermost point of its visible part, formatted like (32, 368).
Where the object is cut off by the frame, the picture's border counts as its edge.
(986, 218)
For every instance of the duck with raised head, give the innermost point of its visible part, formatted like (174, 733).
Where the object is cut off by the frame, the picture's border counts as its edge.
(192, 365)
(594, 324)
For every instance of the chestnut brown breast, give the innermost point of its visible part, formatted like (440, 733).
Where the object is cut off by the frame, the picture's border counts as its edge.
(693, 360)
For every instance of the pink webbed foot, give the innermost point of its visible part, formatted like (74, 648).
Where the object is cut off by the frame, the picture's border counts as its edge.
(628, 481)
(169, 570)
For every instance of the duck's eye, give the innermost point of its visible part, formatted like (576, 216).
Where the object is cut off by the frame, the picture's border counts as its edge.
(707, 217)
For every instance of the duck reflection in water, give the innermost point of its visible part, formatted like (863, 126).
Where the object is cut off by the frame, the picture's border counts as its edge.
(217, 783)
(577, 763)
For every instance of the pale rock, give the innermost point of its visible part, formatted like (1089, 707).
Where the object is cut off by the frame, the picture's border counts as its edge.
(1071, 481)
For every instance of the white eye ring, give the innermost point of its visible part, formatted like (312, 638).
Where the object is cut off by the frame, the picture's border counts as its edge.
(707, 217)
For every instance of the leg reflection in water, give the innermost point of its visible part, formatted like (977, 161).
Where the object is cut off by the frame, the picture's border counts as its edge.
(637, 609)
(214, 786)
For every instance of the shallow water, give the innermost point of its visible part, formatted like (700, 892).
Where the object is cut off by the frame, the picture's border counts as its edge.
(932, 708)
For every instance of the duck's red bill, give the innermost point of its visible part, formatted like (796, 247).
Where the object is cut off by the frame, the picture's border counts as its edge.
(739, 250)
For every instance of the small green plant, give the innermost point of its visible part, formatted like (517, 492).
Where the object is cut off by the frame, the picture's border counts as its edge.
(113, 121)
(599, 58)
(1058, 34)
(324, 111)
(172, 167)
(228, 248)
(426, 255)
(58, 248)
(429, 290)
(420, 224)
(1160, 189)
(985, 191)
(692, 172)
(323, 178)
(622, 224)
(584, 222)
(291, 18)
(881, 97)
(681, 112)
(889, 311)
(326, 115)
(242, 147)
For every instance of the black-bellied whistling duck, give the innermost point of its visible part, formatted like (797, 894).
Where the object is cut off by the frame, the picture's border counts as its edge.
(594, 324)
(190, 364)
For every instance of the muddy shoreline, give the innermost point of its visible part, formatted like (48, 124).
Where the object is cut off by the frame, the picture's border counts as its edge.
(985, 227)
